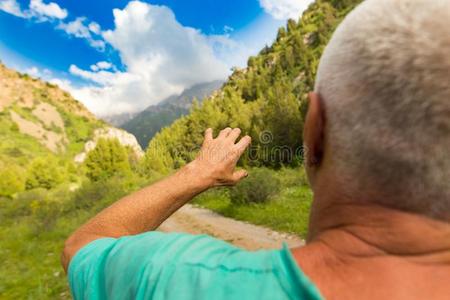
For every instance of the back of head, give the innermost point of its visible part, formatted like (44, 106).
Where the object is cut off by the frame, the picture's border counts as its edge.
(385, 83)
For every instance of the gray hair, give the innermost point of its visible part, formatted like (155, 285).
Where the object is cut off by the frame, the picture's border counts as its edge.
(385, 83)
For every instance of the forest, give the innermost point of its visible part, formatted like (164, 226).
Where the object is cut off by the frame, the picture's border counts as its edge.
(45, 194)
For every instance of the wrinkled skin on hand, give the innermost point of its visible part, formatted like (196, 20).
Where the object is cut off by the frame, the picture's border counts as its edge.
(217, 159)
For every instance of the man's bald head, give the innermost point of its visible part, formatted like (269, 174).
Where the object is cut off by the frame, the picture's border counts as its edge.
(384, 80)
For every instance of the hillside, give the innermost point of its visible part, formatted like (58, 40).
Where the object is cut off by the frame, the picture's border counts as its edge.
(39, 119)
(146, 124)
(267, 100)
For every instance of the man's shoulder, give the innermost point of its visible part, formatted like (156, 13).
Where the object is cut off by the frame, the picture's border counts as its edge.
(168, 265)
(182, 248)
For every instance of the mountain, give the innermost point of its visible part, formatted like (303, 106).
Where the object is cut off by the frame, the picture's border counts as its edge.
(119, 119)
(39, 120)
(147, 123)
(267, 99)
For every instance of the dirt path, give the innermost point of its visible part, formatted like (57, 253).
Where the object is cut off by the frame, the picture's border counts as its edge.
(196, 220)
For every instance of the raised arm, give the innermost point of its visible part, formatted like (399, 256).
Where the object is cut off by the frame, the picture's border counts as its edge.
(146, 209)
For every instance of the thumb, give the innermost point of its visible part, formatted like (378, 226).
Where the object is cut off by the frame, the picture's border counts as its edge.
(239, 175)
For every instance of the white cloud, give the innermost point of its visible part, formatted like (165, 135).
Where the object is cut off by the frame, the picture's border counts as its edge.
(77, 28)
(37, 9)
(94, 27)
(64, 84)
(38, 73)
(43, 11)
(161, 58)
(285, 9)
(228, 29)
(11, 7)
(33, 71)
(104, 65)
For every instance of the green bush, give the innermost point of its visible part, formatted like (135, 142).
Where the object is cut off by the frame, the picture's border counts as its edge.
(259, 187)
(11, 181)
(108, 159)
(44, 173)
(89, 193)
(21, 205)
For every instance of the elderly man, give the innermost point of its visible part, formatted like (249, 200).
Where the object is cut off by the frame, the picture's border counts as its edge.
(378, 159)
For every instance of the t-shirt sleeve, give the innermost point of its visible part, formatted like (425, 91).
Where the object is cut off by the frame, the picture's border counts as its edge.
(87, 267)
(157, 265)
(148, 264)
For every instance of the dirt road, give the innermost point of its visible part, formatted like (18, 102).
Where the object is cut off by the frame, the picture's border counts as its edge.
(196, 220)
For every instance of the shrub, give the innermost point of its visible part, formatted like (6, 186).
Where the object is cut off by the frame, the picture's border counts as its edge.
(21, 206)
(44, 173)
(108, 159)
(259, 187)
(89, 193)
(11, 181)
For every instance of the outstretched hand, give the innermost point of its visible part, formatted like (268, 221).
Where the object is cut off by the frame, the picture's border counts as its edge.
(217, 159)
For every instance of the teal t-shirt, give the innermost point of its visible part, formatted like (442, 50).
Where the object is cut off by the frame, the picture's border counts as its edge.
(158, 266)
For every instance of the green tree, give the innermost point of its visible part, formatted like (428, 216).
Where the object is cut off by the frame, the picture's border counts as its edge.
(44, 172)
(11, 181)
(109, 158)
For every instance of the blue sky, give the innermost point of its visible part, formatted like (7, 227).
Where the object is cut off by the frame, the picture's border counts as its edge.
(122, 56)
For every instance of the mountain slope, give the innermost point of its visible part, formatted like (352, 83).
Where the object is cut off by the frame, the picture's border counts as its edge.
(146, 124)
(119, 119)
(39, 120)
(267, 100)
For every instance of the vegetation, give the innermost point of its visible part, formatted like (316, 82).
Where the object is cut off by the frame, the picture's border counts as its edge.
(257, 188)
(109, 158)
(12, 181)
(25, 151)
(35, 224)
(44, 172)
(33, 228)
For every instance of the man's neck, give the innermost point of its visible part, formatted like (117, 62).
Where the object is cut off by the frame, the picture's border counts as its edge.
(378, 230)
(370, 242)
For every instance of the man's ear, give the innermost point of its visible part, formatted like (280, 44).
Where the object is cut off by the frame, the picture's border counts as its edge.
(314, 134)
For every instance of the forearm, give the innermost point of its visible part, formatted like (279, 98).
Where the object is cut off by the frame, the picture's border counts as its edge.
(142, 211)
(146, 209)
